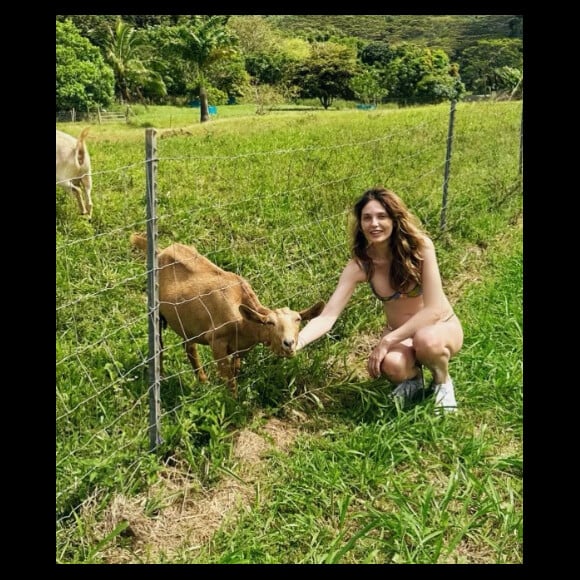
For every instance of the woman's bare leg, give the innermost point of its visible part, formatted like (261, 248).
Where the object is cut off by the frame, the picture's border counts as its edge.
(435, 345)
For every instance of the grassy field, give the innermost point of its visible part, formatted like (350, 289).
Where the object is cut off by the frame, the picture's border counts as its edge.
(313, 463)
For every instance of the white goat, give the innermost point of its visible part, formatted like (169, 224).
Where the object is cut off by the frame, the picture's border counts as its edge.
(73, 168)
(207, 305)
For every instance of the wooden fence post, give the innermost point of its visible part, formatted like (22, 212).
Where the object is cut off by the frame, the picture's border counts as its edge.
(443, 223)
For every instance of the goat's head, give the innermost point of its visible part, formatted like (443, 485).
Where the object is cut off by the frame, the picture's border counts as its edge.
(281, 326)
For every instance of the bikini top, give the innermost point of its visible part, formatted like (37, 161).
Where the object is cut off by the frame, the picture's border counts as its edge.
(417, 291)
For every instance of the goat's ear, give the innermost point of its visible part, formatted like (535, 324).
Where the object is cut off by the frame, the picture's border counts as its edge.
(250, 314)
(313, 311)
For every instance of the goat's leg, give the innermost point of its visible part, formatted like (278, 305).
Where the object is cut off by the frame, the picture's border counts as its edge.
(87, 186)
(228, 372)
(237, 362)
(161, 350)
(78, 194)
(226, 367)
(193, 356)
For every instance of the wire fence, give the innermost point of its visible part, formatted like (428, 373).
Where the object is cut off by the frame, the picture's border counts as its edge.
(109, 409)
(97, 115)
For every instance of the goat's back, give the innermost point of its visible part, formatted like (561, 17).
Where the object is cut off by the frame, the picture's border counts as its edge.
(196, 296)
(72, 156)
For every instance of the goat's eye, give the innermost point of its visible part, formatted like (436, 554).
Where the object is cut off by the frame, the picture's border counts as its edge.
(299, 319)
(270, 322)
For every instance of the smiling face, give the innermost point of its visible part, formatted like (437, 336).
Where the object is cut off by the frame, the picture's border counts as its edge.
(375, 223)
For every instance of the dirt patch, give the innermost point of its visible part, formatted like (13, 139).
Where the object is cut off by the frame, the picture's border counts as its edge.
(174, 133)
(177, 516)
(358, 352)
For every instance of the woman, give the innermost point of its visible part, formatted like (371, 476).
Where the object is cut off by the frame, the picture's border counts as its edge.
(392, 253)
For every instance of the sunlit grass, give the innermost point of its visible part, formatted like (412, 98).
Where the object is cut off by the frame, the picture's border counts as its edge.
(267, 196)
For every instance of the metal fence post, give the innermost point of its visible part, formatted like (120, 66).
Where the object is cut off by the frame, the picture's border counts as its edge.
(443, 223)
(522, 140)
(151, 163)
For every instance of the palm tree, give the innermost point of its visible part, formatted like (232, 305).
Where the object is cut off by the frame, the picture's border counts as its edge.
(204, 42)
(124, 53)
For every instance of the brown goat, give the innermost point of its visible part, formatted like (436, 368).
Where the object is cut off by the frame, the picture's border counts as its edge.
(73, 168)
(207, 305)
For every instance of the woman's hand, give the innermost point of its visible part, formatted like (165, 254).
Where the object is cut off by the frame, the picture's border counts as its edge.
(377, 356)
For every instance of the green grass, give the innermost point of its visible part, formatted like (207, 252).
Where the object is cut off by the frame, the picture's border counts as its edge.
(344, 476)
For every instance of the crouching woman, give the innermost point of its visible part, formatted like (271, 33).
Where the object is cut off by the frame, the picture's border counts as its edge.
(392, 253)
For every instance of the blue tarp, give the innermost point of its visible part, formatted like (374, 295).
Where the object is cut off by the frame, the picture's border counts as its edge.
(210, 109)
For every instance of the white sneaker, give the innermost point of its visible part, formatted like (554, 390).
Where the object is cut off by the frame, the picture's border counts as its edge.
(445, 397)
(409, 388)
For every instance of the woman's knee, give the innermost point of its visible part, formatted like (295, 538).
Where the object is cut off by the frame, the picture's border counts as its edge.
(428, 343)
(431, 345)
(396, 366)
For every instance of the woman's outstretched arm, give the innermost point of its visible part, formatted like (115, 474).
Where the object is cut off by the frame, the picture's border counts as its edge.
(321, 324)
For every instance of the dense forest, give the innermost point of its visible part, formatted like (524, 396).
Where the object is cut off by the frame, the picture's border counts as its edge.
(449, 32)
(404, 59)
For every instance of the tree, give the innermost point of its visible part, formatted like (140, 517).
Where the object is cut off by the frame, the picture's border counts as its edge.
(204, 42)
(376, 54)
(168, 62)
(83, 79)
(509, 80)
(516, 25)
(275, 62)
(480, 63)
(124, 51)
(257, 42)
(366, 85)
(421, 75)
(326, 73)
(254, 34)
(230, 77)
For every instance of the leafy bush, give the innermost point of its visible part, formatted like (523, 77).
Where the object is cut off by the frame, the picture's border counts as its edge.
(83, 79)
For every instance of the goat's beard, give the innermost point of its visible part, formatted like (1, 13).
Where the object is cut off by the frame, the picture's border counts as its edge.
(283, 352)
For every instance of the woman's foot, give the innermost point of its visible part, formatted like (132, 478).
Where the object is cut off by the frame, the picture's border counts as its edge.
(445, 397)
(409, 388)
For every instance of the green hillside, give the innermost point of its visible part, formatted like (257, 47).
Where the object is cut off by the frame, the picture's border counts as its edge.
(449, 32)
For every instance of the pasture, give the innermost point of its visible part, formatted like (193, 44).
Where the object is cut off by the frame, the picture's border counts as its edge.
(313, 463)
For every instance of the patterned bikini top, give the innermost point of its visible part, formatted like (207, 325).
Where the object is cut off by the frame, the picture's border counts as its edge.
(417, 291)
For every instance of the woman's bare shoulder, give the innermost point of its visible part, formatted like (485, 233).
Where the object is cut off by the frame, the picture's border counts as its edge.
(427, 246)
(354, 271)
(427, 241)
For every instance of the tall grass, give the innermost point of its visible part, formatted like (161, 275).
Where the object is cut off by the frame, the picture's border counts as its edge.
(268, 197)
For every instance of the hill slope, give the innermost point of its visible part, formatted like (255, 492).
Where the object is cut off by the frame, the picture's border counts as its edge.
(450, 32)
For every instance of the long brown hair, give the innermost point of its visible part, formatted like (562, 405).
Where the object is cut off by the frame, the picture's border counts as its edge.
(406, 241)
